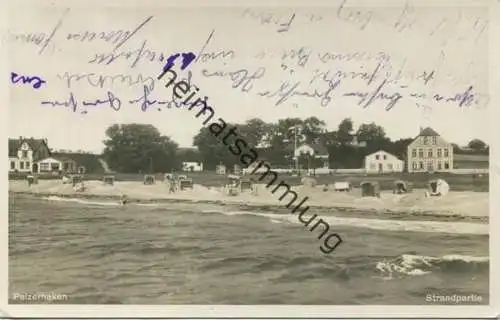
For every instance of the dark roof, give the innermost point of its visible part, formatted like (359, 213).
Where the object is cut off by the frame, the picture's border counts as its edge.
(428, 132)
(35, 144)
(88, 160)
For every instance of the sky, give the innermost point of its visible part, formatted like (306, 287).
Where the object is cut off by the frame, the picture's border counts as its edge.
(252, 51)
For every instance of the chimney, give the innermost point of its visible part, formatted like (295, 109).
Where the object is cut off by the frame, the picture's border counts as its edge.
(20, 137)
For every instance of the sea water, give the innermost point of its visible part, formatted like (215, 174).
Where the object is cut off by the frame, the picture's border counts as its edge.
(99, 252)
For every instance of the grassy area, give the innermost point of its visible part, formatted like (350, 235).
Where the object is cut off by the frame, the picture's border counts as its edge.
(471, 161)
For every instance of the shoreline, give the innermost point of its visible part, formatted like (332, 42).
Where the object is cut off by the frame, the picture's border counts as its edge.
(370, 209)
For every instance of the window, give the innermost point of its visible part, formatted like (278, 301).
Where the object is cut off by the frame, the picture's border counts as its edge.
(421, 165)
(440, 165)
(414, 166)
(21, 165)
(446, 165)
(25, 154)
(389, 166)
(446, 153)
(376, 157)
(429, 153)
(434, 140)
(44, 167)
(440, 153)
(420, 153)
(27, 164)
(12, 165)
(385, 157)
(426, 141)
(372, 166)
(414, 153)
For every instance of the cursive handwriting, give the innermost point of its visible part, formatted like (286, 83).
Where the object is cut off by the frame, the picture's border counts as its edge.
(118, 37)
(138, 54)
(288, 90)
(145, 53)
(369, 97)
(283, 22)
(145, 102)
(358, 17)
(40, 39)
(15, 78)
(205, 56)
(241, 78)
(112, 101)
(102, 81)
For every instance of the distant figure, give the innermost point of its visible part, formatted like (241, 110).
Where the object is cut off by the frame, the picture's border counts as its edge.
(171, 186)
(124, 200)
(30, 179)
(325, 188)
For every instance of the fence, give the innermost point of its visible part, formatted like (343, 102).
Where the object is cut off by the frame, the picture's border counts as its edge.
(470, 171)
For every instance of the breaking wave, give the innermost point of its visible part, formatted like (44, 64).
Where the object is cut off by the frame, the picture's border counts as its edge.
(415, 265)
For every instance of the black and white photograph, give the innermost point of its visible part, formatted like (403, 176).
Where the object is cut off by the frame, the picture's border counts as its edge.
(334, 155)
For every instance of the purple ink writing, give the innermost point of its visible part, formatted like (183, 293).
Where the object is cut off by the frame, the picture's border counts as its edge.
(37, 81)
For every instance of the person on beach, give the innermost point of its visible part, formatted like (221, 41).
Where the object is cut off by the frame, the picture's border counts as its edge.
(124, 200)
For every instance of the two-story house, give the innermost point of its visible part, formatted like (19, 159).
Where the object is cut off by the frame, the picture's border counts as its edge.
(382, 161)
(429, 152)
(24, 152)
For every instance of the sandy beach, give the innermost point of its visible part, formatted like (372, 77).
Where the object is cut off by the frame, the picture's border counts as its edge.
(454, 203)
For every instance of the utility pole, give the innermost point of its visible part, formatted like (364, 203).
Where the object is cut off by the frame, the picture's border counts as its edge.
(294, 128)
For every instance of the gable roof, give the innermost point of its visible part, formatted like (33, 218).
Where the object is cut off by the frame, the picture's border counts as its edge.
(428, 132)
(319, 149)
(384, 152)
(35, 145)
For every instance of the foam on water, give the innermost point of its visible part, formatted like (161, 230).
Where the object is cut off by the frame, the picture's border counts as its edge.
(81, 201)
(415, 265)
(382, 224)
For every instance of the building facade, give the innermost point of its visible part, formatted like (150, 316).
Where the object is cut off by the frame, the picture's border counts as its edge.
(192, 166)
(383, 162)
(24, 153)
(429, 152)
(314, 150)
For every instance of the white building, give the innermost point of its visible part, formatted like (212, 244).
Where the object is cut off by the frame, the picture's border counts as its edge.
(382, 161)
(314, 150)
(429, 152)
(24, 152)
(49, 165)
(191, 166)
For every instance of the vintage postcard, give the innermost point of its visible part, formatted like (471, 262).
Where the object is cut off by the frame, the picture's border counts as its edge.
(308, 160)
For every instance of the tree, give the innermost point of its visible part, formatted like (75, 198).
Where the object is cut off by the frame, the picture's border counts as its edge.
(133, 148)
(344, 132)
(212, 150)
(371, 133)
(189, 155)
(313, 129)
(255, 132)
(456, 148)
(477, 145)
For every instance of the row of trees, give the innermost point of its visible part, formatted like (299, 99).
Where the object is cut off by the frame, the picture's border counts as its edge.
(142, 148)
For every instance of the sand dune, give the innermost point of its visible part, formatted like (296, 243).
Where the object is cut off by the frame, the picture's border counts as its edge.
(462, 203)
